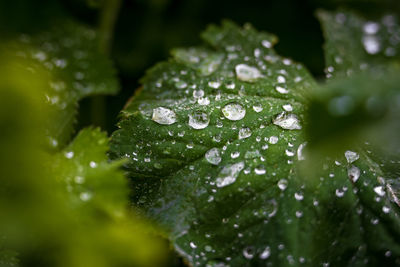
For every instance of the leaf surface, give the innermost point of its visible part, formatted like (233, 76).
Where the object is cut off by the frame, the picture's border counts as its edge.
(215, 146)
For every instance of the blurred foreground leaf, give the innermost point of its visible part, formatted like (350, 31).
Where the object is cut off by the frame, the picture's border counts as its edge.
(69, 52)
(67, 208)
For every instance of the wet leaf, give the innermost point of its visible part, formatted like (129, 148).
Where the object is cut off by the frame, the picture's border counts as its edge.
(215, 149)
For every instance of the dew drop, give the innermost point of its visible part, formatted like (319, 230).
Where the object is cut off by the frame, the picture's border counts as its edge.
(273, 140)
(213, 156)
(214, 85)
(203, 101)
(234, 111)
(282, 184)
(281, 90)
(69, 155)
(198, 120)
(265, 253)
(229, 174)
(287, 121)
(351, 156)
(298, 196)
(371, 44)
(300, 155)
(247, 73)
(354, 173)
(248, 252)
(163, 116)
(257, 108)
(85, 196)
(260, 170)
(379, 191)
(244, 133)
(287, 107)
(235, 154)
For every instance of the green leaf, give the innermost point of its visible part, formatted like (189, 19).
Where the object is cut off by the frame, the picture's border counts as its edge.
(68, 208)
(69, 52)
(92, 182)
(215, 147)
(354, 44)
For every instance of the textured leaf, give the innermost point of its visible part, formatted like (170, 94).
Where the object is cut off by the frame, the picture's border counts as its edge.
(354, 44)
(215, 147)
(69, 52)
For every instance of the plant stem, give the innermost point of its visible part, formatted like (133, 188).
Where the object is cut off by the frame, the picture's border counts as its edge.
(108, 17)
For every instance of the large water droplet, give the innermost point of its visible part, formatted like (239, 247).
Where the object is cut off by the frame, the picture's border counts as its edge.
(351, 156)
(371, 44)
(229, 174)
(234, 111)
(354, 173)
(198, 120)
(244, 133)
(213, 156)
(247, 73)
(287, 121)
(164, 116)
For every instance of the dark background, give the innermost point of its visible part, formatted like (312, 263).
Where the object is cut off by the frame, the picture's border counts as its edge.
(146, 30)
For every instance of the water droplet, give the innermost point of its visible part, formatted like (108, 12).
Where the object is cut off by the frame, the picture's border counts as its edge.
(257, 108)
(85, 196)
(198, 93)
(69, 155)
(273, 140)
(79, 179)
(203, 101)
(265, 253)
(198, 120)
(235, 154)
(371, 27)
(299, 214)
(213, 156)
(287, 107)
(379, 191)
(385, 209)
(351, 156)
(266, 44)
(282, 184)
(92, 164)
(354, 173)
(229, 174)
(260, 170)
(289, 153)
(244, 133)
(281, 90)
(180, 84)
(300, 155)
(339, 193)
(234, 111)
(214, 85)
(281, 79)
(230, 85)
(164, 116)
(248, 252)
(298, 196)
(287, 121)
(192, 245)
(371, 44)
(247, 73)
